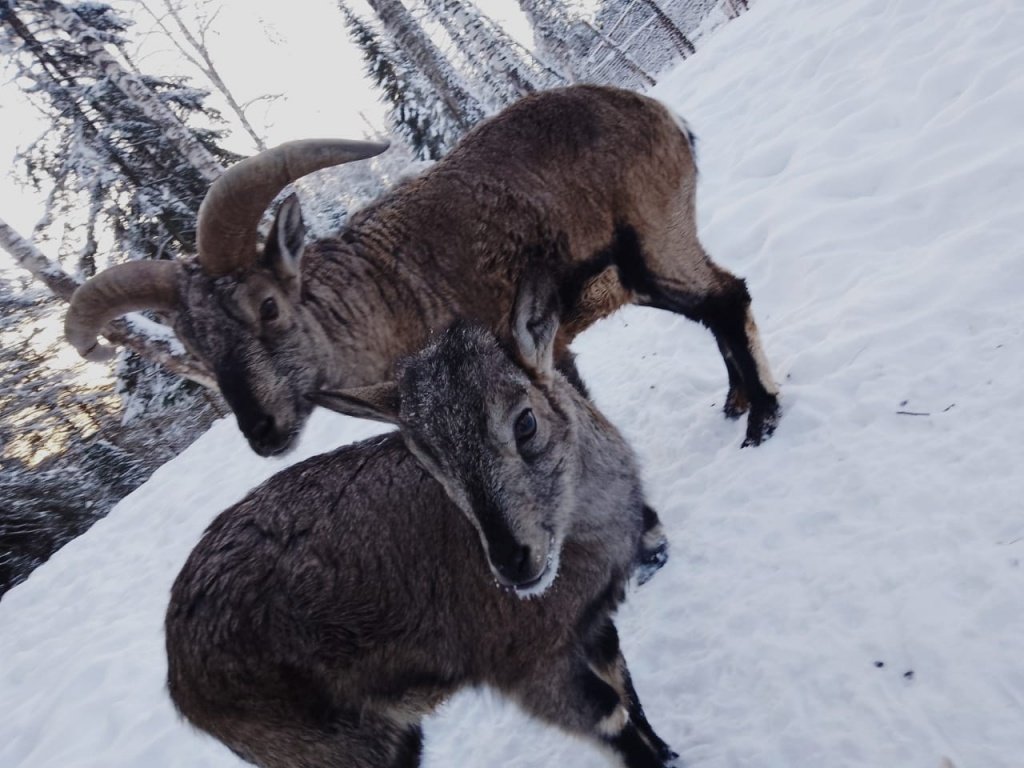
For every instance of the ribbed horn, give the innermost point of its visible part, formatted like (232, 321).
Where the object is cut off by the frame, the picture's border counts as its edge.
(114, 292)
(232, 208)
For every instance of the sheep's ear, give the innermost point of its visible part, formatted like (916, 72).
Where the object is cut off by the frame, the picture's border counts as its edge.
(535, 321)
(286, 242)
(379, 402)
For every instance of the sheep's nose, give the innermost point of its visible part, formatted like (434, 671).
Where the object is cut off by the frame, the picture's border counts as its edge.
(263, 428)
(516, 569)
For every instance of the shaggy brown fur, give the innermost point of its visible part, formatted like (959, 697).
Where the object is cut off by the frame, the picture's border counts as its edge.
(608, 174)
(322, 617)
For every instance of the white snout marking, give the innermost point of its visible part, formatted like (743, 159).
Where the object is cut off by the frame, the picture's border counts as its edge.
(547, 577)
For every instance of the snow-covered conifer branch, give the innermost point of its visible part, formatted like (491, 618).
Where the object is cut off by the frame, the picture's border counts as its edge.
(135, 89)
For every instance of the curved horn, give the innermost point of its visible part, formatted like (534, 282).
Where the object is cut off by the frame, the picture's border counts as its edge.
(231, 210)
(114, 292)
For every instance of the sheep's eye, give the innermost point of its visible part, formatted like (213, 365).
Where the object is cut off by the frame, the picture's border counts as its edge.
(525, 426)
(268, 310)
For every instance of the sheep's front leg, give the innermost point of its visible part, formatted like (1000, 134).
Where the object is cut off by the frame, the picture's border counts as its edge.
(639, 719)
(605, 658)
(653, 551)
(573, 695)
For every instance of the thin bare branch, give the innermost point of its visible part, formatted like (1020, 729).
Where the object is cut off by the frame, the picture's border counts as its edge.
(195, 50)
(163, 351)
(133, 87)
(264, 97)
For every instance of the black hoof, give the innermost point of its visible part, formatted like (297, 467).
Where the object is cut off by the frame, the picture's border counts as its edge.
(651, 561)
(736, 404)
(762, 422)
(653, 551)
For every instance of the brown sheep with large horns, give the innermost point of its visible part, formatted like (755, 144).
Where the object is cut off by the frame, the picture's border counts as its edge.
(607, 173)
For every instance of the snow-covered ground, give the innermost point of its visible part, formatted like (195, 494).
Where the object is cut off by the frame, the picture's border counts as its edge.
(850, 593)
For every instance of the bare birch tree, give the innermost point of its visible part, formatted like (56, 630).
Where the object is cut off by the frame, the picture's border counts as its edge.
(577, 49)
(415, 112)
(735, 7)
(680, 40)
(138, 335)
(190, 39)
(100, 146)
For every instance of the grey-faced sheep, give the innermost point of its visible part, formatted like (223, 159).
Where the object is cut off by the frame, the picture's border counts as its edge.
(486, 543)
(608, 171)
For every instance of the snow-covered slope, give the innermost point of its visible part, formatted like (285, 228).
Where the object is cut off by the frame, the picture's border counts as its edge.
(850, 593)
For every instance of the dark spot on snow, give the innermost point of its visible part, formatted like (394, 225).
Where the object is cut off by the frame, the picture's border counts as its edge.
(879, 664)
(909, 674)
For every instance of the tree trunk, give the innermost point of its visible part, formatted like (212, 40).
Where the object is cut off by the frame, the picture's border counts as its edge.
(174, 131)
(572, 43)
(164, 351)
(414, 42)
(734, 8)
(507, 70)
(60, 81)
(619, 56)
(551, 22)
(31, 258)
(682, 42)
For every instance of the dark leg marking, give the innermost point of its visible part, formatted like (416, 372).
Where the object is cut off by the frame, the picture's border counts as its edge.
(736, 403)
(605, 657)
(602, 645)
(724, 311)
(639, 718)
(595, 628)
(600, 695)
(573, 696)
(634, 749)
(410, 749)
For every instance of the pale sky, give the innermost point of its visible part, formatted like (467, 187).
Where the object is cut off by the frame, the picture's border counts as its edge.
(299, 49)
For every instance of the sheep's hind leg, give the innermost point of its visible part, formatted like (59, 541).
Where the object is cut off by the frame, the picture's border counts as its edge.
(725, 310)
(674, 272)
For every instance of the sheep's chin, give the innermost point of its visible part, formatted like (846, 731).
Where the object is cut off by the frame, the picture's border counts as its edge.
(547, 577)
